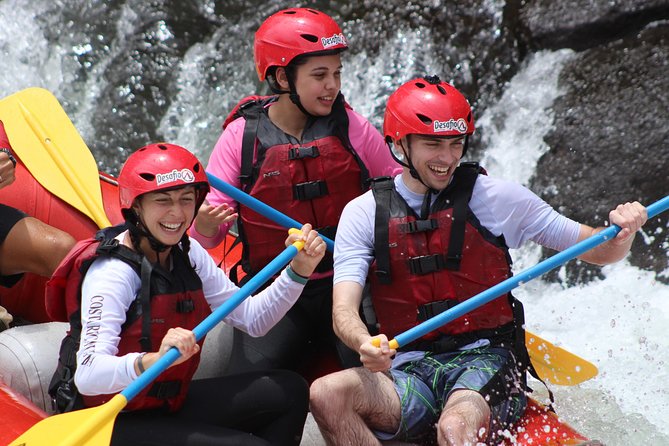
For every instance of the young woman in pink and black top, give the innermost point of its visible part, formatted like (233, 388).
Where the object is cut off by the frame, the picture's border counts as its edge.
(304, 152)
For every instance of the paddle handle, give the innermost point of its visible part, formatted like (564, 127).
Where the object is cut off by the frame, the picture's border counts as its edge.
(376, 342)
(258, 206)
(525, 276)
(214, 318)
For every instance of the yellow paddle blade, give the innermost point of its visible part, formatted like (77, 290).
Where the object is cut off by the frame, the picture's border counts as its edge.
(87, 427)
(557, 365)
(51, 148)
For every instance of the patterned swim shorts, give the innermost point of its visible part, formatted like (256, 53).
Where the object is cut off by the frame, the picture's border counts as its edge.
(425, 383)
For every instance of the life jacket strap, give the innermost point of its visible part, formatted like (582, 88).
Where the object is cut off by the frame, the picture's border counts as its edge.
(165, 390)
(429, 310)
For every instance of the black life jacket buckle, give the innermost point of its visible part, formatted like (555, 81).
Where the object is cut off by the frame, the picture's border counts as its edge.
(107, 245)
(422, 225)
(310, 190)
(426, 264)
(303, 152)
(430, 310)
(165, 390)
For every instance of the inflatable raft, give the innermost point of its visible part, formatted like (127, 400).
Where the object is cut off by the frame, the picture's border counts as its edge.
(28, 353)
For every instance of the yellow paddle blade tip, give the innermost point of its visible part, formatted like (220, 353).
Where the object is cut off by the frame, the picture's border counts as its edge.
(557, 365)
(87, 427)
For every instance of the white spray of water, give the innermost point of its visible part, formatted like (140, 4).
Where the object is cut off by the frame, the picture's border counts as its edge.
(367, 82)
(21, 52)
(195, 117)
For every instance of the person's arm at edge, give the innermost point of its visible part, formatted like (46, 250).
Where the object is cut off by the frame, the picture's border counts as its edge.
(630, 217)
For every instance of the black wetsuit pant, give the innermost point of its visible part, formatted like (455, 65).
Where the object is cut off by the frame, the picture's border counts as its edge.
(251, 409)
(304, 333)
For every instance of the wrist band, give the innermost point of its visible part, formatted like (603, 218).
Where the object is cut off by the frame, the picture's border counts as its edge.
(140, 365)
(296, 277)
(9, 154)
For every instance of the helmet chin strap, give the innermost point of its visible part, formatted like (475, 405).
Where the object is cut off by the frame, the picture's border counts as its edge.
(292, 94)
(156, 245)
(295, 98)
(427, 198)
(138, 230)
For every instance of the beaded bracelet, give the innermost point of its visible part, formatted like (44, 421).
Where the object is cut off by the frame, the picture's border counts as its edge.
(9, 154)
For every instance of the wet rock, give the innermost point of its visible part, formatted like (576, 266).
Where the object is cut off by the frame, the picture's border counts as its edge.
(610, 142)
(581, 24)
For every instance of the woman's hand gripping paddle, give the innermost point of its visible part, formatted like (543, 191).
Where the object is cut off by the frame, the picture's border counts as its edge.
(573, 371)
(93, 426)
(50, 147)
(551, 362)
(258, 206)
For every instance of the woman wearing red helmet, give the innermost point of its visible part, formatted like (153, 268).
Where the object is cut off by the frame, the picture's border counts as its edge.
(302, 151)
(425, 241)
(139, 289)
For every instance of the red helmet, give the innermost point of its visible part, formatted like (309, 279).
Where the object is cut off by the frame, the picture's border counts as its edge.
(157, 167)
(427, 106)
(292, 32)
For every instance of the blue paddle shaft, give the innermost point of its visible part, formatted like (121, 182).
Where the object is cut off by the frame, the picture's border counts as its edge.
(258, 206)
(212, 320)
(525, 276)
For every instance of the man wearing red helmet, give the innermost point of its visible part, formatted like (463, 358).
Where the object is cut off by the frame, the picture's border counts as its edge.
(139, 289)
(305, 153)
(427, 240)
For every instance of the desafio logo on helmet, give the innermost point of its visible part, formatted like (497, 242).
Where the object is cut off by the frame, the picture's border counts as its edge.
(185, 175)
(336, 39)
(446, 126)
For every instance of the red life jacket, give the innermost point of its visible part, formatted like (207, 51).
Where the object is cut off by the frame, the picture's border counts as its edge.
(424, 267)
(167, 299)
(309, 180)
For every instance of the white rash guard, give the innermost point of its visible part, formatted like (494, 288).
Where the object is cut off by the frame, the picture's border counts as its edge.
(111, 285)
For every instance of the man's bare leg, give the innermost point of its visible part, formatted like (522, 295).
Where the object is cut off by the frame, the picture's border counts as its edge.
(348, 404)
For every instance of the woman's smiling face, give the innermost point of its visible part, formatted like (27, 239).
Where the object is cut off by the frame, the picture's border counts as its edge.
(167, 214)
(317, 82)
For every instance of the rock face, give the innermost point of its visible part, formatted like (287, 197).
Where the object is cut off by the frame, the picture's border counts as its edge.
(610, 142)
(583, 24)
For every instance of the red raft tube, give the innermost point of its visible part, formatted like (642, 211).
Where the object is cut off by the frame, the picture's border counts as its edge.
(29, 196)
